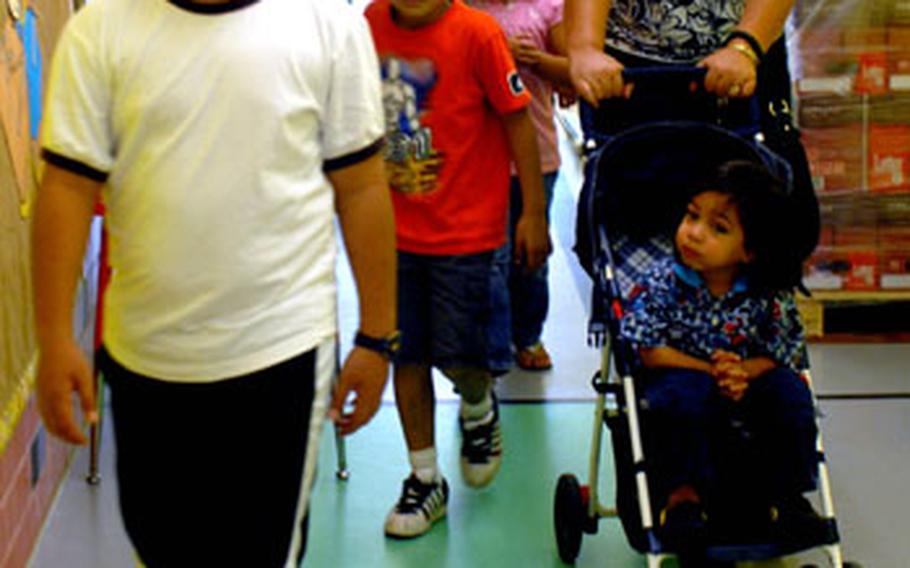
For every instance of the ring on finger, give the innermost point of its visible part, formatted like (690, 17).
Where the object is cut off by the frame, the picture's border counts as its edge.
(734, 90)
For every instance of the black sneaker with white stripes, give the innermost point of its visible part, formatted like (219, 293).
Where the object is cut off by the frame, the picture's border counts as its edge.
(481, 447)
(421, 504)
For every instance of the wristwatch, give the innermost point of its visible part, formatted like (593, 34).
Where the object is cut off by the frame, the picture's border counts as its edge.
(387, 346)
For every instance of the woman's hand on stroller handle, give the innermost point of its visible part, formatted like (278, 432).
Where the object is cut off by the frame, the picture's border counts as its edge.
(596, 76)
(729, 73)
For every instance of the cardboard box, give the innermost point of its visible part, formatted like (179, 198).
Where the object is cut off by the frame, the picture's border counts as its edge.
(819, 38)
(835, 157)
(825, 270)
(895, 267)
(898, 38)
(819, 63)
(863, 270)
(896, 263)
(899, 14)
(898, 82)
(872, 73)
(899, 58)
(820, 110)
(843, 269)
(825, 84)
(894, 239)
(826, 236)
(889, 157)
(856, 236)
(893, 108)
(864, 39)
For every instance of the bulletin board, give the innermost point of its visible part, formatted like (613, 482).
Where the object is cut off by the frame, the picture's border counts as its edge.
(28, 32)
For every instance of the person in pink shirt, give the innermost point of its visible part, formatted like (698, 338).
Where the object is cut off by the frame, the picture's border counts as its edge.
(535, 34)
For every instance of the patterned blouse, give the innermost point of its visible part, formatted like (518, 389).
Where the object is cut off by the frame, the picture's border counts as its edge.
(673, 308)
(671, 31)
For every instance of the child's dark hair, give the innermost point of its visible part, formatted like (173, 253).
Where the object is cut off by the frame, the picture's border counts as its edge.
(767, 218)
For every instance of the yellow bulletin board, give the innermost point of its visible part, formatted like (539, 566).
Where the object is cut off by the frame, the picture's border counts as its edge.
(18, 184)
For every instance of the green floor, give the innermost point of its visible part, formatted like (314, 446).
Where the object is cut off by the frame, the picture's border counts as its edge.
(508, 523)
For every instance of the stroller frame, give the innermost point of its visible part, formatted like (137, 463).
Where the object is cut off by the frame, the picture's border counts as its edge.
(577, 507)
(573, 498)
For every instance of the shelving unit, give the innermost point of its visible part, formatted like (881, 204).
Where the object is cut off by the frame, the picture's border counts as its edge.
(851, 68)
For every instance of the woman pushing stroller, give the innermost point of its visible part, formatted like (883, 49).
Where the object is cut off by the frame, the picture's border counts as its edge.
(730, 419)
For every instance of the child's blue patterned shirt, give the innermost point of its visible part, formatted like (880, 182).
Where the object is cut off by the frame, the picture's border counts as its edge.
(672, 307)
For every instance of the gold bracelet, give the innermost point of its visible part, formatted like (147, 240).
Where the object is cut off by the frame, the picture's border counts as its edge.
(745, 50)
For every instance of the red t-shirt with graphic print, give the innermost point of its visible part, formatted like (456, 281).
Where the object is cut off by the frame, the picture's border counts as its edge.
(445, 87)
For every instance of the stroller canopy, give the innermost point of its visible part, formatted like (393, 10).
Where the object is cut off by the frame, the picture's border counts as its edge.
(638, 183)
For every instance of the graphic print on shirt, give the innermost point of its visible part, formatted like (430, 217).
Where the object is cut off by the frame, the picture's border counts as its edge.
(412, 162)
(672, 30)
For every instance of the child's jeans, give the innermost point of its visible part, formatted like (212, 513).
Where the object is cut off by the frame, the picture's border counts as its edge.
(697, 437)
(529, 294)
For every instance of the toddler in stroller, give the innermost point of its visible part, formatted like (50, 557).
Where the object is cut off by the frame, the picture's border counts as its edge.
(720, 347)
(683, 227)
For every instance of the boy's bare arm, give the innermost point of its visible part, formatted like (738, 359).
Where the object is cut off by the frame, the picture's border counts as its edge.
(554, 68)
(552, 64)
(668, 357)
(532, 240)
(63, 214)
(364, 207)
(555, 65)
(365, 213)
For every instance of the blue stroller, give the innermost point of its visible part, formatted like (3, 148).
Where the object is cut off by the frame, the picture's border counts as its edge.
(630, 166)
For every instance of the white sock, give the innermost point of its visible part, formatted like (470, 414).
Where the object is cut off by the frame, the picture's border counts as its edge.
(423, 463)
(476, 411)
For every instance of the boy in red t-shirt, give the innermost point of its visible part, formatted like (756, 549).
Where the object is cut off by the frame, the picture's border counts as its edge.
(455, 114)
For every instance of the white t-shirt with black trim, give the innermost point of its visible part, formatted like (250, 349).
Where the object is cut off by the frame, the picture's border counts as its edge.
(213, 131)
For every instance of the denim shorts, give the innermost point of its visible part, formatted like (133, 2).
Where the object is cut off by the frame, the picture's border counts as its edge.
(448, 315)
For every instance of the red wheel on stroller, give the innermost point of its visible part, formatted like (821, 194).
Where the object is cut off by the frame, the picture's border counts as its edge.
(570, 509)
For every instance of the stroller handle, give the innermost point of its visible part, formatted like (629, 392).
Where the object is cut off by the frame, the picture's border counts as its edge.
(662, 93)
(664, 74)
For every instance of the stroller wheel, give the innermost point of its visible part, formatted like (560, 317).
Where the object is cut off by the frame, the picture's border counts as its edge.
(569, 512)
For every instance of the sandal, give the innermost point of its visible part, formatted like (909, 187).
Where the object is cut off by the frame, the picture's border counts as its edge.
(534, 358)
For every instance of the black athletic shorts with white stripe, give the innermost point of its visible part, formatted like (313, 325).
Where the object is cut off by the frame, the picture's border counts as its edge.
(218, 474)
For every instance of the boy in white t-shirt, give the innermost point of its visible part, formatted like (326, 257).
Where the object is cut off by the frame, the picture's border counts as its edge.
(223, 137)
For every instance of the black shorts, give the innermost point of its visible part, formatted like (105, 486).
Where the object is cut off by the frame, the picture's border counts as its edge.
(218, 474)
